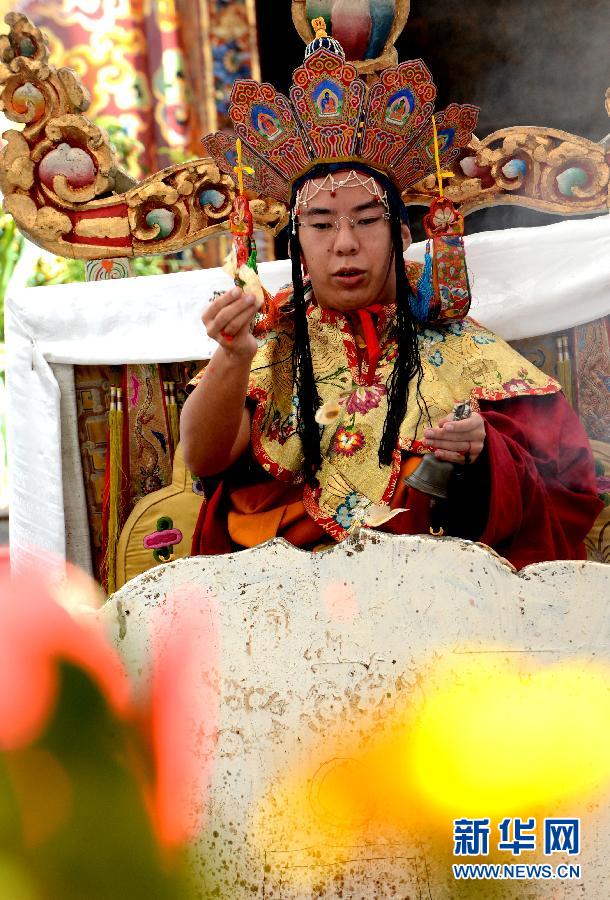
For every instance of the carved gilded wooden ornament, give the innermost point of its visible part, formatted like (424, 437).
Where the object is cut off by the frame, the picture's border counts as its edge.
(540, 168)
(64, 186)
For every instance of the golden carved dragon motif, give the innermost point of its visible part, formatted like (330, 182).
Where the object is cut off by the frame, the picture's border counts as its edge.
(62, 182)
(541, 168)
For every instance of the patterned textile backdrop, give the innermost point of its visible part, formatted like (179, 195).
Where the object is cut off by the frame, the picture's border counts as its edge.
(147, 441)
(162, 69)
(220, 44)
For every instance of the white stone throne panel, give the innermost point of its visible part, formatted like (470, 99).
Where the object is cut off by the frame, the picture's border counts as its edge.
(320, 651)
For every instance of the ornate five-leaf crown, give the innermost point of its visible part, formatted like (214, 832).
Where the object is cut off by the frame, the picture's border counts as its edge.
(331, 116)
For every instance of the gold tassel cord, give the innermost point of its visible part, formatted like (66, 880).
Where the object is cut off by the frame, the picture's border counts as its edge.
(564, 368)
(172, 414)
(240, 169)
(115, 423)
(437, 159)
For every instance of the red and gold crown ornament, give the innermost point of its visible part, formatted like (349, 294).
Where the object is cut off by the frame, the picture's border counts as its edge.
(443, 217)
(443, 290)
(331, 115)
(241, 261)
(240, 220)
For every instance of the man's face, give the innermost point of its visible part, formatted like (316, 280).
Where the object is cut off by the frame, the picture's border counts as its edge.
(350, 267)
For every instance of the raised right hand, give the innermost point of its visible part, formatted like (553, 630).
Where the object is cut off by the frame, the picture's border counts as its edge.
(227, 320)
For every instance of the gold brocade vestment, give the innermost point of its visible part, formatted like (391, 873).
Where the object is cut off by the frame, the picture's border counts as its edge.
(461, 360)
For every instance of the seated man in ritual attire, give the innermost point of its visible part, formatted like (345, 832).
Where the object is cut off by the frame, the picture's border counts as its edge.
(312, 429)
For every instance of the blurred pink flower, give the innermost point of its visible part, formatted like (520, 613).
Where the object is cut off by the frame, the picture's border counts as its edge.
(173, 728)
(184, 711)
(36, 634)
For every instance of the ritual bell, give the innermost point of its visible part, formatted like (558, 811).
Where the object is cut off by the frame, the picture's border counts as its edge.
(432, 476)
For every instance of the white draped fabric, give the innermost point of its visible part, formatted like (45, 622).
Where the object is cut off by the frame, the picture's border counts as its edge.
(525, 282)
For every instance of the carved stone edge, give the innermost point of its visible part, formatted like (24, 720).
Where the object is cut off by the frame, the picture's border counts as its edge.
(252, 558)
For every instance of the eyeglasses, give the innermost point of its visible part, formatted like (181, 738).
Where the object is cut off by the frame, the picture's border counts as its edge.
(362, 225)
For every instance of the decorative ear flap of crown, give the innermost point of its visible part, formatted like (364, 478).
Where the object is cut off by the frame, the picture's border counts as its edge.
(328, 97)
(265, 182)
(455, 126)
(399, 105)
(265, 120)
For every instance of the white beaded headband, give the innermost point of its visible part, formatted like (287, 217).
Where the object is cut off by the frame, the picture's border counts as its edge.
(331, 184)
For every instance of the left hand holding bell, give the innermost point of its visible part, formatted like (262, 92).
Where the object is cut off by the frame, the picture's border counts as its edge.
(457, 440)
